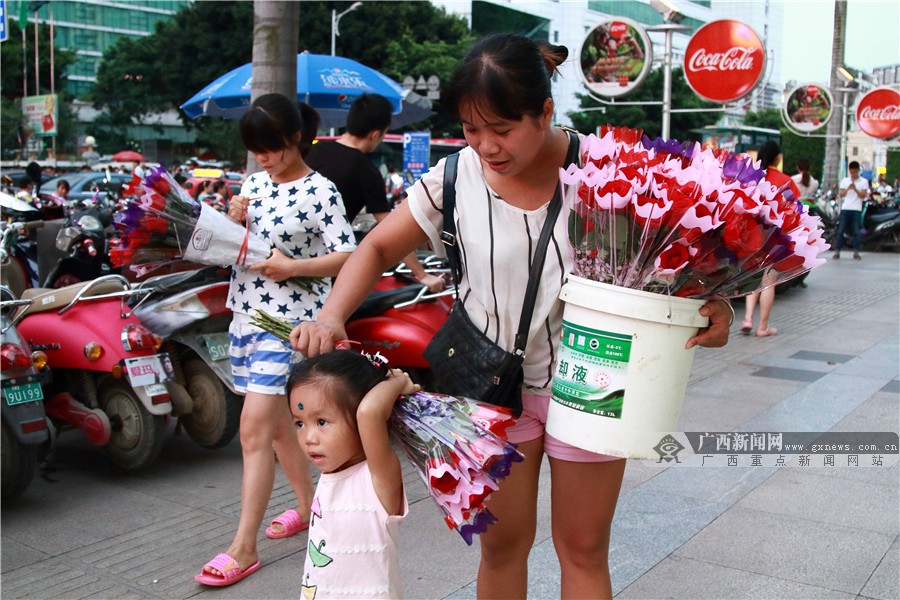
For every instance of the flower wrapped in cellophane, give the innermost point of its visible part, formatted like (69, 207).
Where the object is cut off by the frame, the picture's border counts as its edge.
(460, 450)
(672, 218)
(163, 225)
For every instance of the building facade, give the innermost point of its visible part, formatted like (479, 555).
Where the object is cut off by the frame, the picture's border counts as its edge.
(567, 22)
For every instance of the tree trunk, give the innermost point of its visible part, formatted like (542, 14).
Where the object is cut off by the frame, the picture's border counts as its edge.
(833, 144)
(276, 29)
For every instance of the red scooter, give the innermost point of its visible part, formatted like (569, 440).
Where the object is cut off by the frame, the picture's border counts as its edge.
(109, 381)
(399, 318)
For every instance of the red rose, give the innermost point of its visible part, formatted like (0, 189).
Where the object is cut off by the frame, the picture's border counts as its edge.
(138, 238)
(674, 257)
(742, 234)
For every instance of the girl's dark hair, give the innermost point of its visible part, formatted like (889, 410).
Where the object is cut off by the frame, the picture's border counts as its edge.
(803, 167)
(349, 373)
(768, 153)
(506, 75)
(273, 122)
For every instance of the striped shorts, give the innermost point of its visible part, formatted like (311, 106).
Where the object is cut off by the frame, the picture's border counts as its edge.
(260, 362)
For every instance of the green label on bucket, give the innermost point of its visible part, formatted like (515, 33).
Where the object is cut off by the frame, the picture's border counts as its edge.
(591, 370)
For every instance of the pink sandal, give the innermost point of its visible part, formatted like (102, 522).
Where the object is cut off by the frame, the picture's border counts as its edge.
(292, 523)
(228, 567)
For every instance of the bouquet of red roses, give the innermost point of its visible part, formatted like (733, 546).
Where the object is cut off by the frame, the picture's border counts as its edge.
(670, 218)
(161, 224)
(459, 449)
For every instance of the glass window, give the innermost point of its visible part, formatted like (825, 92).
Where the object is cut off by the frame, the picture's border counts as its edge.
(489, 18)
(642, 13)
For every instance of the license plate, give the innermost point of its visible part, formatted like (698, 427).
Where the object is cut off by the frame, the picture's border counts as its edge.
(146, 370)
(217, 344)
(19, 394)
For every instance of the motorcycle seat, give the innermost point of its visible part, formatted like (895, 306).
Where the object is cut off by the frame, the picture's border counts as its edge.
(883, 217)
(45, 299)
(381, 301)
(176, 281)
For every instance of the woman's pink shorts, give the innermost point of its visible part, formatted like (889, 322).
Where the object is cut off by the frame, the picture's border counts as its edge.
(532, 425)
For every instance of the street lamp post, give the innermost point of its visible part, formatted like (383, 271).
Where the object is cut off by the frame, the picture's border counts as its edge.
(335, 19)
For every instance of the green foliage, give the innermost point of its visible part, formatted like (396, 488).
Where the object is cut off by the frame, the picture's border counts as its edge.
(11, 61)
(893, 165)
(649, 117)
(11, 86)
(769, 118)
(207, 39)
(794, 147)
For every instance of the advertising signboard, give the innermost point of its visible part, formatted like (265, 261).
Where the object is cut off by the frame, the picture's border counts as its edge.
(724, 61)
(808, 107)
(878, 113)
(615, 57)
(40, 114)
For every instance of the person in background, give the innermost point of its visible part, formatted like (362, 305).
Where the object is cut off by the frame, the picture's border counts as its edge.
(303, 220)
(769, 157)
(345, 163)
(854, 190)
(805, 182)
(341, 402)
(501, 92)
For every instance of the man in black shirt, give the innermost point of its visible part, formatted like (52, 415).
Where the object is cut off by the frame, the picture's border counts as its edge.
(345, 162)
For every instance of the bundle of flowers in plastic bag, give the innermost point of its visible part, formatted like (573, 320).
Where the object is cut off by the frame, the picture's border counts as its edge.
(162, 224)
(458, 446)
(459, 449)
(671, 218)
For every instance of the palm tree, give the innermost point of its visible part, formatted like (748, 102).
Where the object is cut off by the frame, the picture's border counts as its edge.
(276, 28)
(832, 149)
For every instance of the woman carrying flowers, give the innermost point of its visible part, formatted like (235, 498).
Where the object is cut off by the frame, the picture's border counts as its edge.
(301, 214)
(507, 176)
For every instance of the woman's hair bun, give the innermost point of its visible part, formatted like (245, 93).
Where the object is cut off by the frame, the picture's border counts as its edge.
(553, 56)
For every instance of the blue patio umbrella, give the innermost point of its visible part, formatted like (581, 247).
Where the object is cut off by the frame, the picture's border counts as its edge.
(329, 84)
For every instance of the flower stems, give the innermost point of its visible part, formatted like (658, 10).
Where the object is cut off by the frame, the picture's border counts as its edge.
(277, 327)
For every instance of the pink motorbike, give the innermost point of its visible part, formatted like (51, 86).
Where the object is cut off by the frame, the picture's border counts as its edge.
(109, 379)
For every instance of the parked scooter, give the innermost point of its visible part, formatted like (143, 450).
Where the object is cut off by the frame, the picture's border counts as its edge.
(880, 229)
(24, 429)
(109, 381)
(187, 310)
(400, 317)
(78, 249)
(19, 255)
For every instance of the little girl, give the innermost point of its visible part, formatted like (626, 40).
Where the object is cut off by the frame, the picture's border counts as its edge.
(341, 402)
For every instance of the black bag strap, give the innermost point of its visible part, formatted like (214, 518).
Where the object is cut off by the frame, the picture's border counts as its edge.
(448, 237)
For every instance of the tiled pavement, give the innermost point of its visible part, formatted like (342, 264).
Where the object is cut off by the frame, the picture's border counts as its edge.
(681, 531)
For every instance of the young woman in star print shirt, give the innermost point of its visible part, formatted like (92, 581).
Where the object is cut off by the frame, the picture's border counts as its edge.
(301, 214)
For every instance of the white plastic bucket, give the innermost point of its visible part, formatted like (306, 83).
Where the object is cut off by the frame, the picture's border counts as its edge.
(622, 368)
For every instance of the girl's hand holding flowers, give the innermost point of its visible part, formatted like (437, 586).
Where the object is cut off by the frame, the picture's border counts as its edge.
(237, 208)
(277, 267)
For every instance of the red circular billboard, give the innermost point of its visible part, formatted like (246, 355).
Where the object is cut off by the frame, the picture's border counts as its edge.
(878, 113)
(724, 61)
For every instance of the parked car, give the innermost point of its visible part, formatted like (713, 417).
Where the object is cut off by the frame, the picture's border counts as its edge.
(83, 184)
(198, 175)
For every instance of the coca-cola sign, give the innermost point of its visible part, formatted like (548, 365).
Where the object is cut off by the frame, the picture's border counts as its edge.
(615, 57)
(878, 113)
(724, 61)
(808, 107)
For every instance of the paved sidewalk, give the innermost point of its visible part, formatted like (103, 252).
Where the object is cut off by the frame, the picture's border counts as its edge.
(681, 531)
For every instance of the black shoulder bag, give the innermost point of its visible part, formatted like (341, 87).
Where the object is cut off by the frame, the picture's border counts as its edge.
(465, 362)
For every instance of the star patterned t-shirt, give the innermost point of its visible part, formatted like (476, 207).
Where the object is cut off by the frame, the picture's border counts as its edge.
(303, 219)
